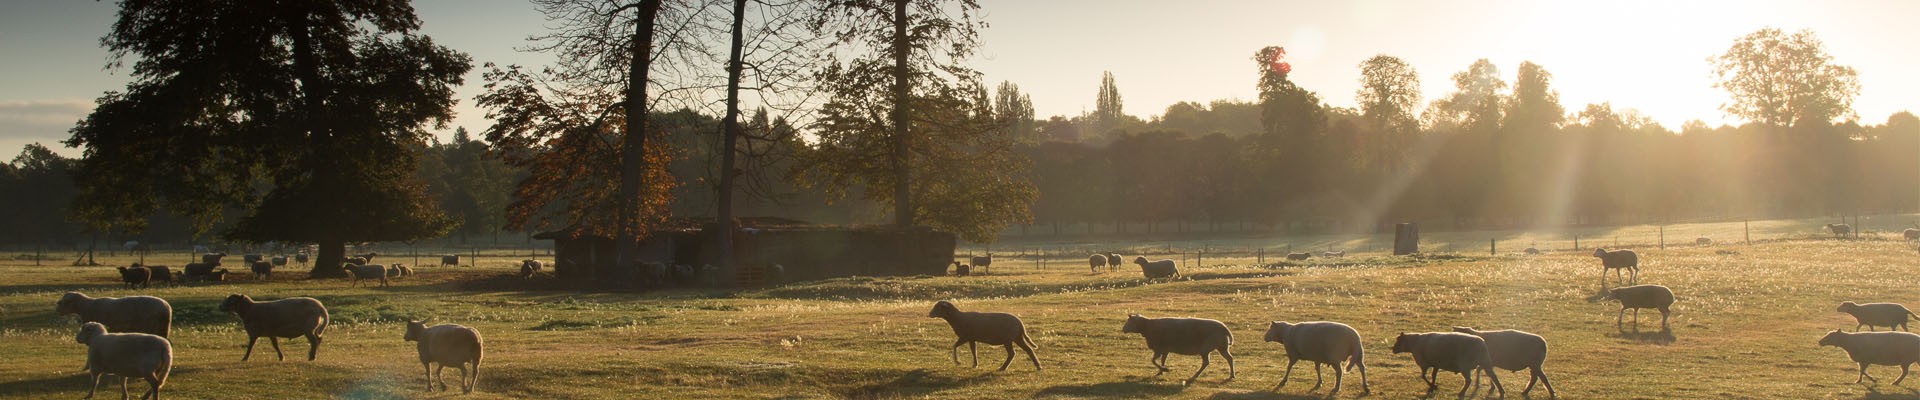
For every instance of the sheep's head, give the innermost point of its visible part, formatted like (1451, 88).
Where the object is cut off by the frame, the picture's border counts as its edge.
(1847, 307)
(1140, 260)
(1612, 294)
(1135, 324)
(1833, 338)
(89, 331)
(943, 309)
(1404, 342)
(413, 330)
(236, 303)
(1600, 252)
(1466, 330)
(1277, 330)
(69, 303)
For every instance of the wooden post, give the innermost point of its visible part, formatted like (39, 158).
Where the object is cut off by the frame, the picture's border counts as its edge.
(1490, 249)
(1576, 242)
(1748, 226)
(1406, 238)
(476, 256)
(1663, 237)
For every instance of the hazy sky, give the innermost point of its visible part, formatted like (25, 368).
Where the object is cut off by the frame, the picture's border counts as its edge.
(1645, 55)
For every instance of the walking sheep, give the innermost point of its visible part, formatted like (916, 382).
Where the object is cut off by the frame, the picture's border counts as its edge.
(447, 344)
(1642, 296)
(399, 270)
(983, 261)
(159, 273)
(1839, 230)
(197, 271)
(1877, 348)
(1097, 261)
(1911, 234)
(1870, 315)
(128, 355)
(284, 318)
(1615, 261)
(131, 314)
(1323, 343)
(135, 276)
(1453, 352)
(1186, 336)
(994, 329)
(1516, 350)
(1157, 269)
(262, 270)
(1113, 261)
(372, 271)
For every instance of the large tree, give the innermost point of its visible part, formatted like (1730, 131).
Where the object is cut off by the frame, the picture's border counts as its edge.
(1784, 80)
(910, 123)
(303, 113)
(1389, 92)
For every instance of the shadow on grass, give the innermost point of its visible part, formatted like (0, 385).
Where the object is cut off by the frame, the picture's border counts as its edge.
(1264, 395)
(1664, 336)
(914, 383)
(1874, 393)
(1133, 388)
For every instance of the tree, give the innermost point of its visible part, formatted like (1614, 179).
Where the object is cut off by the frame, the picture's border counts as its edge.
(1784, 80)
(1014, 111)
(304, 114)
(910, 124)
(1107, 105)
(1389, 91)
(1290, 145)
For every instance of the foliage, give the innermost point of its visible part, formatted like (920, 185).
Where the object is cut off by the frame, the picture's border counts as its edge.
(1784, 80)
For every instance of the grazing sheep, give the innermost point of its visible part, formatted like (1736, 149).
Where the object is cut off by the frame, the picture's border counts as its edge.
(1516, 350)
(1453, 352)
(1323, 343)
(449, 260)
(1113, 261)
(1097, 261)
(135, 276)
(127, 355)
(1911, 234)
(1187, 336)
(1703, 241)
(131, 314)
(356, 260)
(1877, 348)
(1157, 269)
(1333, 254)
(159, 273)
(370, 271)
(1299, 256)
(1889, 315)
(962, 269)
(1532, 251)
(279, 261)
(262, 270)
(1839, 229)
(983, 261)
(197, 271)
(1615, 261)
(529, 267)
(284, 318)
(212, 258)
(447, 344)
(300, 258)
(994, 329)
(1642, 296)
(399, 270)
(368, 257)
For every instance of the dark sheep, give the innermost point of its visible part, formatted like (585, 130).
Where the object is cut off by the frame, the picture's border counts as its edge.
(1615, 261)
(300, 258)
(197, 271)
(528, 268)
(1453, 352)
(449, 260)
(148, 357)
(262, 270)
(1186, 336)
(1532, 251)
(448, 344)
(1299, 256)
(159, 274)
(1889, 315)
(210, 258)
(983, 262)
(1157, 269)
(1642, 296)
(1839, 229)
(252, 258)
(131, 314)
(994, 329)
(962, 269)
(279, 261)
(1877, 348)
(1113, 261)
(1323, 343)
(1514, 350)
(284, 318)
(1097, 261)
(135, 276)
(1911, 234)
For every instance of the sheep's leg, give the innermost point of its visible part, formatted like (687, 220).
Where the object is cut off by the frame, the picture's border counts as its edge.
(1363, 375)
(439, 375)
(1287, 375)
(1009, 361)
(1541, 371)
(973, 349)
(96, 385)
(1159, 362)
(1531, 379)
(123, 387)
(1029, 349)
(1863, 374)
(1903, 374)
(1339, 375)
(250, 341)
(1433, 381)
(1466, 382)
(464, 385)
(956, 350)
(153, 386)
(1495, 378)
(276, 347)
(1204, 361)
(1316, 377)
(313, 346)
(427, 368)
(1636, 276)
(476, 376)
(1231, 373)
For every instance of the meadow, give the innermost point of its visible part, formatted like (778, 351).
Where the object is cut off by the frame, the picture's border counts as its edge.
(1745, 326)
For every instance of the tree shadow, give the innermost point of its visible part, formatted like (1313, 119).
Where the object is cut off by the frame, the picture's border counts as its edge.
(914, 383)
(1143, 387)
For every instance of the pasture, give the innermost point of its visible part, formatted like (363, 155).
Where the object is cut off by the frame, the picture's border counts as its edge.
(1745, 326)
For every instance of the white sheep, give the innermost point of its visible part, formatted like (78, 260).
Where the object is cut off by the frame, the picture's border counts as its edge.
(1877, 348)
(1097, 261)
(284, 318)
(1113, 261)
(1514, 350)
(1454, 352)
(1157, 269)
(131, 314)
(1187, 336)
(128, 355)
(448, 344)
(1322, 343)
(370, 271)
(1615, 261)
(1911, 234)
(1642, 296)
(1889, 315)
(992, 328)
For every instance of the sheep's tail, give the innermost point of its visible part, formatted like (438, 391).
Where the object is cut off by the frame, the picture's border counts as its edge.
(1916, 317)
(1356, 359)
(1029, 339)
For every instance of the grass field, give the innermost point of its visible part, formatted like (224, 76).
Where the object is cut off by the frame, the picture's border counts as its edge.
(1745, 327)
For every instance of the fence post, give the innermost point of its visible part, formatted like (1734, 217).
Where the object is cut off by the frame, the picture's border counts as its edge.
(1663, 237)
(1490, 249)
(1748, 227)
(1576, 242)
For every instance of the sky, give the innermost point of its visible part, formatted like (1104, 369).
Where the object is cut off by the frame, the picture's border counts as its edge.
(1649, 56)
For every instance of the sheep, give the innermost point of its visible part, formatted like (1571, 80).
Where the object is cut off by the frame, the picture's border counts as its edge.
(1450, 351)
(251, 258)
(135, 276)
(528, 268)
(262, 269)
(300, 258)
(1531, 251)
(198, 271)
(1703, 241)
(1322, 343)
(1514, 350)
(141, 355)
(450, 260)
(159, 273)
(1616, 260)
(368, 257)
(1188, 336)
(1157, 269)
(131, 314)
(1877, 348)
(1097, 261)
(447, 344)
(994, 329)
(284, 318)
(212, 258)
(398, 270)
(1299, 256)
(1911, 233)
(278, 260)
(1642, 296)
(218, 275)
(357, 260)
(1870, 315)
(1839, 229)
(1113, 261)
(369, 271)
(1333, 254)
(962, 269)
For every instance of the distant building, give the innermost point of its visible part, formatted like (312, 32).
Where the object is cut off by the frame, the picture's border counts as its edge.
(805, 252)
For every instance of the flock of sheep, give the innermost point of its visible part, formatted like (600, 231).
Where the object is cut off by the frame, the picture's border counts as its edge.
(358, 267)
(127, 337)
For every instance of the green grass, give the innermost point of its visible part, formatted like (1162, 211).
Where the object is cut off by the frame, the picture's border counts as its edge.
(1745, 327)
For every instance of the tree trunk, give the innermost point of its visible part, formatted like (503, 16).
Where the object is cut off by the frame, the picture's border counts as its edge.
(729, 140)
(902, 197)
(626, 267)
(327, 263)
